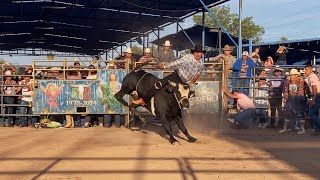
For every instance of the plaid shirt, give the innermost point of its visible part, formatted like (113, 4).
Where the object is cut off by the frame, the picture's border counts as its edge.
(261, 94)
(187, 67)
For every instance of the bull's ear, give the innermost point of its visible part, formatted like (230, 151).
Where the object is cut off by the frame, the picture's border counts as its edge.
(173, 84)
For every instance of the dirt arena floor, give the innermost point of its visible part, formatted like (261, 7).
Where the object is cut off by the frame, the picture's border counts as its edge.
(144, 153)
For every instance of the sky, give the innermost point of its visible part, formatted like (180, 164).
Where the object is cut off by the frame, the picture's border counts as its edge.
(293, 19)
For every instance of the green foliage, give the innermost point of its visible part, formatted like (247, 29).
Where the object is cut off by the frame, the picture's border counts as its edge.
(138, 50)
(283, 39)
(230, 21)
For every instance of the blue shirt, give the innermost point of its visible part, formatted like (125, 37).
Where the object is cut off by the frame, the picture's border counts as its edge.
(238, 65)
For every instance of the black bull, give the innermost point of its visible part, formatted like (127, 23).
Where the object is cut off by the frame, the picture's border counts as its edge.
(166, 107)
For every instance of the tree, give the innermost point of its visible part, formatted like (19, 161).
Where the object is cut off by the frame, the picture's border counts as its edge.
(138, 50)
(231, 23)
(283, 39)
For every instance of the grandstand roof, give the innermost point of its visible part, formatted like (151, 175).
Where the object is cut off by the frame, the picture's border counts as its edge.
(298, 50)
(181, 42)
(86, 26)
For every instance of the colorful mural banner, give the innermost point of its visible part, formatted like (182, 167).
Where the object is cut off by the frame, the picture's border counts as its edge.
(80, 96)
(110, 83)
(60, 97)
(207, 98)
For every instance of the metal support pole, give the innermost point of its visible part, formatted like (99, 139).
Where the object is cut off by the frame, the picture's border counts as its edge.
(250, 45)
(112, 54)
(147, 40)
(186, 34)
(240, 30)
(143, 43)
(121, 49)
(158, 37)
(203, 33)
(130, 44)
(177, 52)
(219, 39)
(218, 22)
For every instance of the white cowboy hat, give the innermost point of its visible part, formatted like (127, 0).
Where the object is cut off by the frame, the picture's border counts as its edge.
(128, 50)
(8, 73)
(277, 68)
(167, 43)
(294, 72)
(147, 50)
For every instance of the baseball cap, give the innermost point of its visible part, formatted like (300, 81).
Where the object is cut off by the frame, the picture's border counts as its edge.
(245, 53)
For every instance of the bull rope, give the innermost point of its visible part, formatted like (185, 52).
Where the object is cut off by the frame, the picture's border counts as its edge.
(177, 100)
(139, 82)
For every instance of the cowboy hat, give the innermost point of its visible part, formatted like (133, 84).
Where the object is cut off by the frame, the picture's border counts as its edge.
(128, 50)
(227, 48)
(7, 73)
(147, 50)
(198, 48)
(167, 43)
(294, 72)
(277, 68)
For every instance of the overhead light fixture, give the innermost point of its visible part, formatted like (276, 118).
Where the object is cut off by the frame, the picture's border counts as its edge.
(33, 1)
(38, 39)
(54, 7)
(44, 28)
(305, 50)
(6, 17)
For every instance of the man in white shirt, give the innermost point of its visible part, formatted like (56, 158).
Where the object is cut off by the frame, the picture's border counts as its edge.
(314, 102)
(26, 101)
(246, 110)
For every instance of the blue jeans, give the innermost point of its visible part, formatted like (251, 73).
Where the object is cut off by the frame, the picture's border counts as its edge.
(295, 109)
(9, 109)
(314, 114)
(245, 118)
(243, 85)
(261, 114)
(24, 110)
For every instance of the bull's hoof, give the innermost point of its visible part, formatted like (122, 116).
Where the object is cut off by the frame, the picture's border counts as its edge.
(192, 140)
(177, 143)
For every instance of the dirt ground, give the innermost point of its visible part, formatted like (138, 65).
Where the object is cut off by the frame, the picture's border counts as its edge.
(143, 153)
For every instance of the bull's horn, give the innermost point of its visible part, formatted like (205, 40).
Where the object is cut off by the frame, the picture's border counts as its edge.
(172, 83)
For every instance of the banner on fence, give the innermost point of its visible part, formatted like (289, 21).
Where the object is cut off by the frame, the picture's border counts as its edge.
(207, 98)
(80, 96)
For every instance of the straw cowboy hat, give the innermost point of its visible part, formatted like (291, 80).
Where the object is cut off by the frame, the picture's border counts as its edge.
(147, 50)
(227, 48)
(167, 43)
(294, 72)
(198, 48)
(277, 68)
(7, 73)
(128, 50)
(55, 69)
